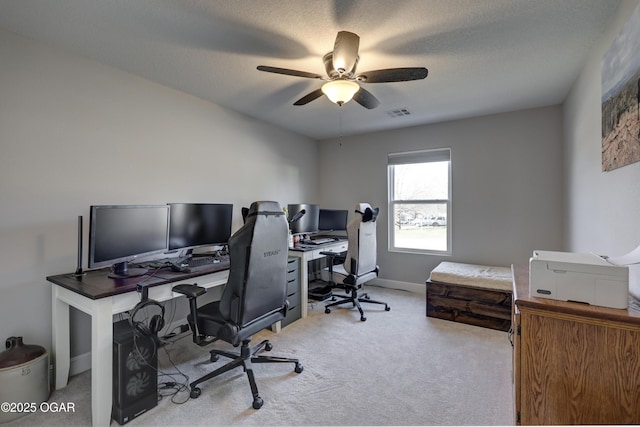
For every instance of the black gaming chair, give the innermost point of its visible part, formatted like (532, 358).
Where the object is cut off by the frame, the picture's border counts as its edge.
(359, 265)
(254, 298)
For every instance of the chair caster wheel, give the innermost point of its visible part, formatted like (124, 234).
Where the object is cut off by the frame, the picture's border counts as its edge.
(387, 308)
(327, 310)
(257, 403)
(362, 318)
(268, 346)
(299, 368)
(214, 357)
(195, 393)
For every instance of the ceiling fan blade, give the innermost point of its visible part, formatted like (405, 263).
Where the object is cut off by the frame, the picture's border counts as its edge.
(345, 52)
(366, 99)
(309, 97)
(289, 72)
(393, 75)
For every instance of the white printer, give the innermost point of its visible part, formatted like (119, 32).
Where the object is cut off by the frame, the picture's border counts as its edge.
(586, 278)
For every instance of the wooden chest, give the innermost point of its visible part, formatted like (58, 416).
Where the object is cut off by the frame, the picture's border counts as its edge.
(472, 294)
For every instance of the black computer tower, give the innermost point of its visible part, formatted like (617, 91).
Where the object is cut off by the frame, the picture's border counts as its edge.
(135, 373)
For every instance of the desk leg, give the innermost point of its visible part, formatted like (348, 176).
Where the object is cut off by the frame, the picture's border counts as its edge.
(60, 340)
(304, 286)
(101, 362)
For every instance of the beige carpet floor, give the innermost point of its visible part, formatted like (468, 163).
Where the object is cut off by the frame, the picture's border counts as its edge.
(397, 368)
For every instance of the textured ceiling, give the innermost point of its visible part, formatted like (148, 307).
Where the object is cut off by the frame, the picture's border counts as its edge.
(483, 56)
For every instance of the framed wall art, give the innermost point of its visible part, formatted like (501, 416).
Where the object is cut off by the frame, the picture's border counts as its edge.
(621, 97)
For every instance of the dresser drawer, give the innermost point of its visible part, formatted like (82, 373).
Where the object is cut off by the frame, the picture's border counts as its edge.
(293, 291)
(293, 286)
(294, 300)
(292, 274)
(293, 314)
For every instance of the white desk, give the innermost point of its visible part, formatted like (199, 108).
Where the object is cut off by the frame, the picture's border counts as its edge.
(309, 253)
(101, 310)
(94, 295)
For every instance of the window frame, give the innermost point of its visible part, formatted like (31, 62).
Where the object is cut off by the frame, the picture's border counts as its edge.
(417, 157)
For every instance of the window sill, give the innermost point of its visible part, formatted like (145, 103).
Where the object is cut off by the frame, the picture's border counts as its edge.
(429, 252)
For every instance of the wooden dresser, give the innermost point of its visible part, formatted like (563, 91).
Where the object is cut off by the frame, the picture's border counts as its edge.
(574, 363)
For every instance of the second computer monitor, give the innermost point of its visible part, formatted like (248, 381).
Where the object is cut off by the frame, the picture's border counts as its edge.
(306, 224)
(332, 219)
(195, 225)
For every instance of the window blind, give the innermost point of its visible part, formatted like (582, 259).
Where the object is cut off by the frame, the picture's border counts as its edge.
(423, 156)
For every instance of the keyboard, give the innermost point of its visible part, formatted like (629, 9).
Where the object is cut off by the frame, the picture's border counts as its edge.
(209, 263)
(202, 261)
(320, 241)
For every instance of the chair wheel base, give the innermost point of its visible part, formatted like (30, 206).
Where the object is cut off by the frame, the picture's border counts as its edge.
(257, 402)
(387, 308)
(362, 318)
(195, 393)
(327, 310)
(299, 368)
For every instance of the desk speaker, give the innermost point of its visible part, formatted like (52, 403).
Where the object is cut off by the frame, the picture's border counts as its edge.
(135, 373)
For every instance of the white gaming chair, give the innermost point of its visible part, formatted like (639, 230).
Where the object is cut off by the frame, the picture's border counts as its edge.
(359, 264)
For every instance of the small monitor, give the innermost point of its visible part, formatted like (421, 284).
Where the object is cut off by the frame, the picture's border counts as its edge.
(119, 234)
(308, 223)
(332, 219)
(195, 225)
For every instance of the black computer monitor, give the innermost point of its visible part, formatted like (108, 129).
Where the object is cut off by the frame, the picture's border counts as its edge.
(308, 223)
(332, 219)
(195, 225)
(119, 234)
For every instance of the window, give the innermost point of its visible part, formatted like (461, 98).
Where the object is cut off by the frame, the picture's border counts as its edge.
(420, 201)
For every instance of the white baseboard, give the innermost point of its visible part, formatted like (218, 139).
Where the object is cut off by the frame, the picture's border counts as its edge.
(419, 288)
(80, 364)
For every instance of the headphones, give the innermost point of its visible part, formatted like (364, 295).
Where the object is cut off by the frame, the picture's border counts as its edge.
(155, 324)
(369, 214)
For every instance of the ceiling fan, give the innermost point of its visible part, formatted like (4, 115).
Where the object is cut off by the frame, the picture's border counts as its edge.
(342, 80)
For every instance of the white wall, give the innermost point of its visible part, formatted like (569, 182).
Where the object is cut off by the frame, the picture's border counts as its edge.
(75, 133)
(506, 185)
(602, 208)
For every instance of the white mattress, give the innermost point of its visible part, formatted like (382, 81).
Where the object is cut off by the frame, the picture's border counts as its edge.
(477, 276)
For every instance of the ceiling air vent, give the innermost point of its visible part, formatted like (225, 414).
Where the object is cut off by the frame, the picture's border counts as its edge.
(400, 112)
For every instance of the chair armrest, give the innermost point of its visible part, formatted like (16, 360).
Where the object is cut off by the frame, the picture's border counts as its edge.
(285, 309)
(193, 291)
(188, 290)
(335, 256)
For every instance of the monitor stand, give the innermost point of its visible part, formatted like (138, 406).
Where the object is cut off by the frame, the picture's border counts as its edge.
(123, 271)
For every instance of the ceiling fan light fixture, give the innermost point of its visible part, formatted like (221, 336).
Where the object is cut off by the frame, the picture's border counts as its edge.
(340, 91)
